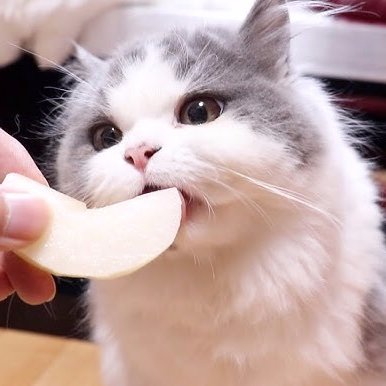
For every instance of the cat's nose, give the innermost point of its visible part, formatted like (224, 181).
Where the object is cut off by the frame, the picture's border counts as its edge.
(139, 156)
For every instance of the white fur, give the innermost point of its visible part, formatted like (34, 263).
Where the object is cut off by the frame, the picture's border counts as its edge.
(261, 290)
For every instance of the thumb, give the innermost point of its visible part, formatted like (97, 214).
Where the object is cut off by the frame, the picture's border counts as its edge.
(22, 219)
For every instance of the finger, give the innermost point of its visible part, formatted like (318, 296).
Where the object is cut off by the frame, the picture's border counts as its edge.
(23, 218)
(31, 284)
(14, 158)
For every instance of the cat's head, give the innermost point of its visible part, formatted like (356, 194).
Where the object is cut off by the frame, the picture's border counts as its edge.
(216, 114)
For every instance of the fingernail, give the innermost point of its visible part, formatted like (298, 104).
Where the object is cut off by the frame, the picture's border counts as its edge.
(25, 217)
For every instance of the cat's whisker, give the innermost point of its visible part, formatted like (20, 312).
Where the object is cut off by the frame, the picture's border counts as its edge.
(203, 51)
(196, 260)
(55, 101)
(8, 314)
(212, 268)
(57, 107)
(212, 79)
(57, 66)
(204, 197)
(292, 196)
(79, 191)
(211, 213)
(242, 197)
(198, 70)
(248, 202)
(64, 90)
(49, 309)
(184, 52)
(192, 228)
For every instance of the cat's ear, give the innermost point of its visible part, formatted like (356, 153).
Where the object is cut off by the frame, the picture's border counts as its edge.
(265, 35)
(85, 63)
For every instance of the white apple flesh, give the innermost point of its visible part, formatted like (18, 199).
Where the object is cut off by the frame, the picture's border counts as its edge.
(104, 242)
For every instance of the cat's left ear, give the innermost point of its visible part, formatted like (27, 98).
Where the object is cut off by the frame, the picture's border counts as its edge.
(265, 35)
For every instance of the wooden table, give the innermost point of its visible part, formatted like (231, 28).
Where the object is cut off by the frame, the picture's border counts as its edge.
(28, 359)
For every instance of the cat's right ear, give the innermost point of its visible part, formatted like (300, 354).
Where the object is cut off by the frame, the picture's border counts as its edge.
(84, 64)
(265, 37)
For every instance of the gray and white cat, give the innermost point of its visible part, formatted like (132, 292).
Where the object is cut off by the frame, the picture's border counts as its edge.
(275, 277)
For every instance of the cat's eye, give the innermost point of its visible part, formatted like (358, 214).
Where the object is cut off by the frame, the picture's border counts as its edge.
(200, 110)
(105, 136)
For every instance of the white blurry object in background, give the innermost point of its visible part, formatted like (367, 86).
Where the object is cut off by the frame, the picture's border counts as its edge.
(45, 27)
(322, 46)
(49, 28)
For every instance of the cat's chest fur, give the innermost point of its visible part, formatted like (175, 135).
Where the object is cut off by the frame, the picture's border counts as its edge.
(183, 322)
(173, 342)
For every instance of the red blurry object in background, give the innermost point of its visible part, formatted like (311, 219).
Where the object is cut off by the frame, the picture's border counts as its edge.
(368, 97)
(364, 49)
(367, 11)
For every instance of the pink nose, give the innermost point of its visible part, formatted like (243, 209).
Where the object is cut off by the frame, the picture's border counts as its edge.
(139, 156)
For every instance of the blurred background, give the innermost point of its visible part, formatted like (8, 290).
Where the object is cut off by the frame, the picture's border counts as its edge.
(346, 52)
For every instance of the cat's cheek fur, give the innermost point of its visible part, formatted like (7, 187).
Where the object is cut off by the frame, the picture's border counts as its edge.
(110, 178)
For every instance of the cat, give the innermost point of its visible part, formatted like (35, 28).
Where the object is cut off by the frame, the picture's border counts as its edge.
(276, 277)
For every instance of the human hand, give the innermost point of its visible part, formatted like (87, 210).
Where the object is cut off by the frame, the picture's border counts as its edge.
(22, 220)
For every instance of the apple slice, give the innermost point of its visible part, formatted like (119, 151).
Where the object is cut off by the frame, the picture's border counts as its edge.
(104, 242)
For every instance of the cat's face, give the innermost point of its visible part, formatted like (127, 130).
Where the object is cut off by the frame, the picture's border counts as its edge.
(197, 111)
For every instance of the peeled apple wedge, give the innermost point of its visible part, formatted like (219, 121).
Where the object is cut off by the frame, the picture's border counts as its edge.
(104, 242)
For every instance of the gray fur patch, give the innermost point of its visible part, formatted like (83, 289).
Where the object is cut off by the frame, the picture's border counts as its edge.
(127, 57)
(215, 65)
(185, 50)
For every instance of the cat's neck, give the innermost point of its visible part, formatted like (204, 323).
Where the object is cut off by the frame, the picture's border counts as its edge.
(256, 272)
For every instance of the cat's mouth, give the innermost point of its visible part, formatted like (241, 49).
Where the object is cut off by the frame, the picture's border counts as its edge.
(151, 188)
(154, 188)
(189, 202)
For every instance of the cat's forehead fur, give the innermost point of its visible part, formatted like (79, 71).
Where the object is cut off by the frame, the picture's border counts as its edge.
(184, 63)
